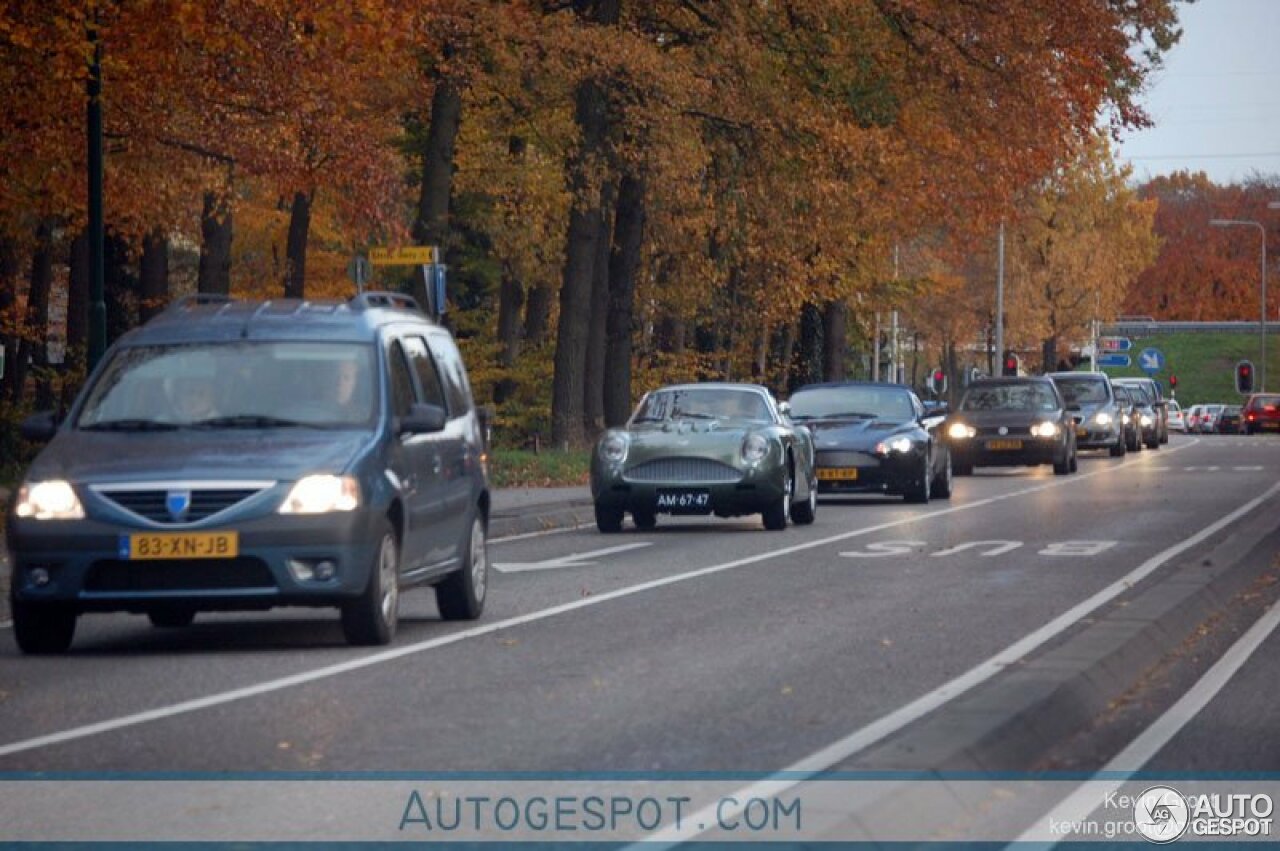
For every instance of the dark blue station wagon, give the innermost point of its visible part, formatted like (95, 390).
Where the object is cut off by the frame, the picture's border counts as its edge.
(233, 455)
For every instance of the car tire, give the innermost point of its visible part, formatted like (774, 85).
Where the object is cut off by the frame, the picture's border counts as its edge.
(919, 493)
(461, 596)
(1074, 461)
(644, 520)
(173, 617)
(804, 513)
(608, 518)
(1119, 449)
(42, 629)
(776, 515)
(1063, 467)
(1154, 442)
(943, 482)
(371, 618)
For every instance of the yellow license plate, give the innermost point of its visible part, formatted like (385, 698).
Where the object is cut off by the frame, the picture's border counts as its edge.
(1082, 432)
(1004, 444)
(180, 546)
(837, 474)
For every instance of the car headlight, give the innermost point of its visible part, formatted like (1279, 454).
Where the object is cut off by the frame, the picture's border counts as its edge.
(614, 446)
(1103, 418)
(321, 495)
(754, 448)
(1146, 421)
(960, 431)
(1045, 429)
(1124, 418)
(898, 444)
(51, 500)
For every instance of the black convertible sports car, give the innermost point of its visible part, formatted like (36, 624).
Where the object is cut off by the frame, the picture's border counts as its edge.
(874, 438)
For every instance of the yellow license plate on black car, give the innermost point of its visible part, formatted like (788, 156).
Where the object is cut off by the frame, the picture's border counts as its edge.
(837, 474)
(1004, 444)
(166, 545)
(1082, 432)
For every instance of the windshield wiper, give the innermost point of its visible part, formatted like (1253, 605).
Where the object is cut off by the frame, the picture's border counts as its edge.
(130, 425)
(251, 421)
(694, 415)
(846, 415)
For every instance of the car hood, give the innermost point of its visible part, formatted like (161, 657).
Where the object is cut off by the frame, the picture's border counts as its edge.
(278, 454)
(853, 434)
(706, 438)
(980, 419)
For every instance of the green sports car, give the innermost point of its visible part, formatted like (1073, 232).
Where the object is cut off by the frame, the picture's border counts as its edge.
(722, 449)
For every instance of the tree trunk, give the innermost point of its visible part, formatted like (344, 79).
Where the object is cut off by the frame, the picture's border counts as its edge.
(10, 269)
(786, 353)
(153, 275)
(808, 362)
(295, 282)
(624, 268)
(120, 288)
(33, 348)
(567, 389)
(835, 319)
(537, 316)
(431, 227)
(1049, 354)
(593, 368)
(510, 301)
(78, 302)
(215, 245)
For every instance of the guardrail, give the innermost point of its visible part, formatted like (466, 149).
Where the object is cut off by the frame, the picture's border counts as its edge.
(1147, 329)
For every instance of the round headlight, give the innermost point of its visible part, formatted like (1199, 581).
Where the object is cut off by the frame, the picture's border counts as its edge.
(754, 448)
(1103, 418)
(1045, 429)
(898, 444)
(1146, 420)
(960, 431)
(614, 447)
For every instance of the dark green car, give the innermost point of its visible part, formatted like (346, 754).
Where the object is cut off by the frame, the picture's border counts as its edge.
(722, 449)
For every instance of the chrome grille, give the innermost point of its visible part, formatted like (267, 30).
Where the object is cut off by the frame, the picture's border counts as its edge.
(843, 458)
(683, 470)
(151, 504)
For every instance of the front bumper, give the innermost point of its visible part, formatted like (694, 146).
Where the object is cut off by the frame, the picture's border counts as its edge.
(976, 452)
(752, 493)
(83, 563)
(1094, 436)
(865, 472)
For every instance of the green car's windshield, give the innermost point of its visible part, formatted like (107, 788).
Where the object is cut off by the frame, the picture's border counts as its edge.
(703, 403)
(851, 402)
(234, 386)
(1010, 397)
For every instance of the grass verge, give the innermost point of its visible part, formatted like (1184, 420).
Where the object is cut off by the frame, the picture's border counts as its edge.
(522, 468)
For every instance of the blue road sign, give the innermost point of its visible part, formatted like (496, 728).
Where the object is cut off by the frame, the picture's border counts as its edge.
(1113, 359)
(1151, 360)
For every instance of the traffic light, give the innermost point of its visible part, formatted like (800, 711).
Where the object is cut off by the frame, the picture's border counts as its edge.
(1173, 381)
(1011, 363)
(1244, 377)
(938, 381)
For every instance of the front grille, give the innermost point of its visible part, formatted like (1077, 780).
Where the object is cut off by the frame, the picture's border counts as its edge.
(844, 458)
(1010, 431)
(683, 470)
(205, 503)
(177, 575)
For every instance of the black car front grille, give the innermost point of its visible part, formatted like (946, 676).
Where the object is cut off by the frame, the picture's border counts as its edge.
(177, 575)
(1009, 431)
(683, 470)
(205, 502)
(844, 458)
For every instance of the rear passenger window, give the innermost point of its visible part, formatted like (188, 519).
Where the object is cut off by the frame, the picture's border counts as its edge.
(401, 382)
(454, 375)
(424, 367)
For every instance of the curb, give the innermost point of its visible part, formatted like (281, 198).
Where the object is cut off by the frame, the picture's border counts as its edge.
(1010, 722)
(542, 518)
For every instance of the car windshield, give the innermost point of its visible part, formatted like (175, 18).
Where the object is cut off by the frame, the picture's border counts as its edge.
(1010, 397)
(1139, 393)
(233, 385)
(882, 402)
(1122, 395)
(1082, 391)
(1266, 400)
(704, 403)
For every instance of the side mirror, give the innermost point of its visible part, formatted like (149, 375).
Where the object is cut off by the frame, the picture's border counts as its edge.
(485, 414)
(39, 428)
(784, 408)
(423, 419)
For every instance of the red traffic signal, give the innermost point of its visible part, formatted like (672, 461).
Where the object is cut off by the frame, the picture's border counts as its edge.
(1010, 363)
(1173, 381)
(1244, 377)
(938, 375)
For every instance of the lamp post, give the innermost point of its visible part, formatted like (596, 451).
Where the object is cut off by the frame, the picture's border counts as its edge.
(1248, 223)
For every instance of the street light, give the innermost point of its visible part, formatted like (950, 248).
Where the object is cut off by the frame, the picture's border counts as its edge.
(1248, 223)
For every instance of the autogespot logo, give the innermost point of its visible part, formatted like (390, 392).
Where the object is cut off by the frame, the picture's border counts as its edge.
(1161, 814)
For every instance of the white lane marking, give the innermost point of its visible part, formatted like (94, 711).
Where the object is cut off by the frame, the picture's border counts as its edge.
(1251, 468)
(524, 536)
(886, 548)
(5, 624)
(883, 727)
(1078, 805)
(1194, 469)
(575, 560)
(327, 671)
(999, 548)
(1077, 548)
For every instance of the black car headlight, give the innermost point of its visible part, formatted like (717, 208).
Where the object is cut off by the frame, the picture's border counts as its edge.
(897, 444)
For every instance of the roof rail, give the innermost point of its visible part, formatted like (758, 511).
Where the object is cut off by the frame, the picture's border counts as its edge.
(400, 301)
(196, 299)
